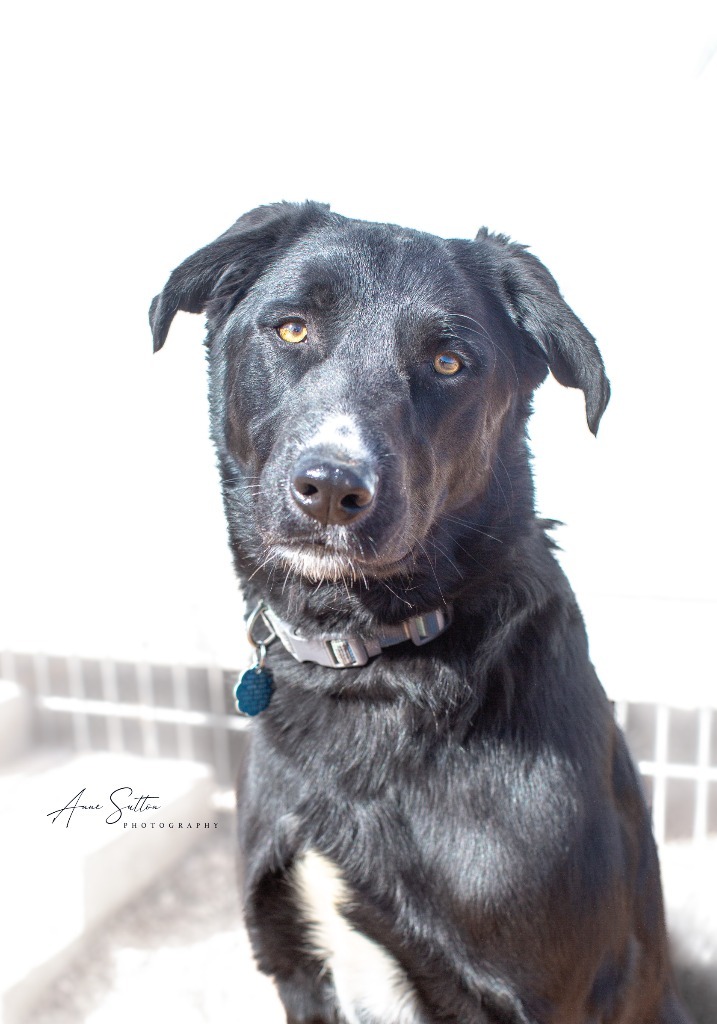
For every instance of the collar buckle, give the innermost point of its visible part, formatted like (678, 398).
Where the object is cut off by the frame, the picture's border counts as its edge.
(347, 653)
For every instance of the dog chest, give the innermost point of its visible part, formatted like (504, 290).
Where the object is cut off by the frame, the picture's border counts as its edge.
(370, 985)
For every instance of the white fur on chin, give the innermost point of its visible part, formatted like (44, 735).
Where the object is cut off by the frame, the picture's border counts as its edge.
(331, 567)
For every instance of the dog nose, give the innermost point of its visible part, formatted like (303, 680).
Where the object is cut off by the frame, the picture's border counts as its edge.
(331, 490)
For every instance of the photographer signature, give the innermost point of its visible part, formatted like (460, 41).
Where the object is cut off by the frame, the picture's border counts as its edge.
(136, 805)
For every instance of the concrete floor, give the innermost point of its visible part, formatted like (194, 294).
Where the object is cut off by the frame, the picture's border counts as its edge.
(179, 952)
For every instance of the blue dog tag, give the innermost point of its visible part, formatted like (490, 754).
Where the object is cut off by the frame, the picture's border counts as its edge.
(253, 691)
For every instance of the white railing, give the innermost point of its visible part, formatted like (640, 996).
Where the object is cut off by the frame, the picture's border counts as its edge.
(86, 704)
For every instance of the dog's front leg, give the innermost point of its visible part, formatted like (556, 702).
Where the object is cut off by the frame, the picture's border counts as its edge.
(302, 1006)
(268, 845)
(282, 950)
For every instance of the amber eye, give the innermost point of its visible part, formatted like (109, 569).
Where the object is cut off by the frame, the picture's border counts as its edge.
(447, 363)
(292, 331)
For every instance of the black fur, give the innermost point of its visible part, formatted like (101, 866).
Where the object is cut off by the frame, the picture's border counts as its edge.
(475, 793)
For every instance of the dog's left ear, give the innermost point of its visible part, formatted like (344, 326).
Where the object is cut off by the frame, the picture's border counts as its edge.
(531, 297)
(227, 267)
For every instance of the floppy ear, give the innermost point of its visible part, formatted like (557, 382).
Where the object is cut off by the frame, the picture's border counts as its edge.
(531, 298)
(227, 267)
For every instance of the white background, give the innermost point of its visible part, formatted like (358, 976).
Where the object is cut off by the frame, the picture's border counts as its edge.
(136, 133)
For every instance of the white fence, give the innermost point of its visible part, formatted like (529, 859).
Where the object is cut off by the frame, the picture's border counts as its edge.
(187, 712)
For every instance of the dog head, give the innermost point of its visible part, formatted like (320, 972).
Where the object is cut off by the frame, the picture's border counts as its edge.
(369, 385)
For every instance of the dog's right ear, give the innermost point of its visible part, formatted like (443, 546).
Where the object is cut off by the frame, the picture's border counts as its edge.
(232, 263)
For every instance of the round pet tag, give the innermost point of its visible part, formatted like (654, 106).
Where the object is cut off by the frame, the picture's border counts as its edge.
(253, 691)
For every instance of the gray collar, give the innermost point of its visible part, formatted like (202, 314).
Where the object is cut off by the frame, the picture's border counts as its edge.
(348, 651)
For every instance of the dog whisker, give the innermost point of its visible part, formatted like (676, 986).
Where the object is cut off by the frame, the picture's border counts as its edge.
(439, 548)
(471, 527)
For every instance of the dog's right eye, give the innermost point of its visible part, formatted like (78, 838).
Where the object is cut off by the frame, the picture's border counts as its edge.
(293, 331)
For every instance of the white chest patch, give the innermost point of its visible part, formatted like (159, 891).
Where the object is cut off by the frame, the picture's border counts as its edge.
(371, 987)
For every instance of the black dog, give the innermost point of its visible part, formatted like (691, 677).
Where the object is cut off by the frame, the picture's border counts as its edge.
(439, 817)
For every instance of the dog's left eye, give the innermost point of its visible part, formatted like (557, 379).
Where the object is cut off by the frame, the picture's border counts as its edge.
(447, 363)
(292, 331)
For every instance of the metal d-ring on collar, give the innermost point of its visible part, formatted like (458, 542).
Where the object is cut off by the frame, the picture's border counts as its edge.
(259, 646)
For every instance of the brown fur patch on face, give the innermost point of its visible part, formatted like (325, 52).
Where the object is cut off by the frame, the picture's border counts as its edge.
(470, 475)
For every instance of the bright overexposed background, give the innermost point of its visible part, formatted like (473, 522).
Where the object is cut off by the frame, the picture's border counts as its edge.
(135, 133)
